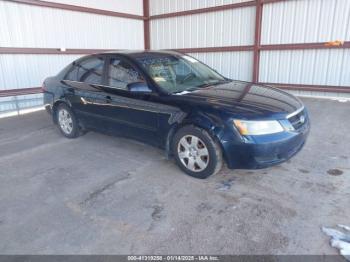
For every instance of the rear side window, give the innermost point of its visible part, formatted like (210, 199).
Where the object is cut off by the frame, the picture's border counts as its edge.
(72, 73)
(121, 73)
(89, 71)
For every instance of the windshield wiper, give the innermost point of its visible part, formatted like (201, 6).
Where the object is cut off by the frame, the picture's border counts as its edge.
(194, 88)
(213, 84)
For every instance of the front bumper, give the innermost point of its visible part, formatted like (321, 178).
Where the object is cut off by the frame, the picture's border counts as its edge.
(266, 150)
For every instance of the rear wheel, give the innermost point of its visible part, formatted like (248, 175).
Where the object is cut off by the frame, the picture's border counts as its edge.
(196, 152)
(66, 121)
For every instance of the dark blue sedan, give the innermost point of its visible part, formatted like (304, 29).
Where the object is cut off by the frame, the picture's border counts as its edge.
(175, 102)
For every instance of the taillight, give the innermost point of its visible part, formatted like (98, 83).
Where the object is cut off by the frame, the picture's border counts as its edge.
(43, 87)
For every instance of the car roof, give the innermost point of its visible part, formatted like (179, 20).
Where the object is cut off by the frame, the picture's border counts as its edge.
(141, 53)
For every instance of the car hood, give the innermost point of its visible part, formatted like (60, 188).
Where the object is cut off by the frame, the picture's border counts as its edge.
(244, 99)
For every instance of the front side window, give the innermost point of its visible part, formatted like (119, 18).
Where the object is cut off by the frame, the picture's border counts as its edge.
(89, 71)
(179, 73)
(121, 73)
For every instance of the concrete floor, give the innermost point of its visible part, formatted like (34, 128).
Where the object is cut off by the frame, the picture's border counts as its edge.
(99, 194)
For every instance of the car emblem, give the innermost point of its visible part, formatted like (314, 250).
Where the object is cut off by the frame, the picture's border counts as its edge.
(302, 119)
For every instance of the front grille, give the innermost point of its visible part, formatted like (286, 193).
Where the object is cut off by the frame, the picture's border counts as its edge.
(298, 120)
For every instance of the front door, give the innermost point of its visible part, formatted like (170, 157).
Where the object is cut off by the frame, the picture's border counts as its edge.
(129, 114)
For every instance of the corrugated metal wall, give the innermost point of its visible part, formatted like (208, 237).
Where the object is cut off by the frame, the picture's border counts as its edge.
(158, 7)
(25, 25)
(227, 28)
(22, 71)
(306, 21)
(34, 26)
(286, 22)
(314, 67)
(122, 6)
(235, 65)
(233, 27)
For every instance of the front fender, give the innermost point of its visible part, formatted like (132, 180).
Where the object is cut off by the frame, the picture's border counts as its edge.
(209, 122)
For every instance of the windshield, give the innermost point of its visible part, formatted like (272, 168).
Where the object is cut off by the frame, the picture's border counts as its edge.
(179, 73)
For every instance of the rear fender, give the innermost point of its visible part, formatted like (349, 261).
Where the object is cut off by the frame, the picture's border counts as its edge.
(56, 105)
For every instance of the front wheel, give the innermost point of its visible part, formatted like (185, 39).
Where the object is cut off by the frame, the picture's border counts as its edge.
(196, 152)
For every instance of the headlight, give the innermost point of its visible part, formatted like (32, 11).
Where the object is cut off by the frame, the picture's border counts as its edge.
(247, 128)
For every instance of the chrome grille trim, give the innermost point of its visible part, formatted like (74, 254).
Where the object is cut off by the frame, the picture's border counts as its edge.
(295, 112)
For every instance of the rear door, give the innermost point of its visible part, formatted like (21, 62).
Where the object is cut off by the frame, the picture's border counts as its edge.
(85, 90)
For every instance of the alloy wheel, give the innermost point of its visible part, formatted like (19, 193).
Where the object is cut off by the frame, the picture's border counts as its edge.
(65, 121)
(193, 153)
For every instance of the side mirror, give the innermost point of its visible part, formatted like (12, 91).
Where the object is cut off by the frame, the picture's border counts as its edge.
(139, 87)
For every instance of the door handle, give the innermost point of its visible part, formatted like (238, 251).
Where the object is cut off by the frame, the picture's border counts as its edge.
(108, 99)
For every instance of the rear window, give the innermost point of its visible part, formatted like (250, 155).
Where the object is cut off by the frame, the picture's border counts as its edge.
(89, 71)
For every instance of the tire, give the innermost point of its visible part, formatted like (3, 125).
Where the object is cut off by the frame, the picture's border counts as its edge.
(196, 152)
(66, 121)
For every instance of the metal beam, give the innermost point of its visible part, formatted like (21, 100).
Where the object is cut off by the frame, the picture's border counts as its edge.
(275, 47)
(319, 88)
(146, 25)
(273, 1)
(20, 91)
(204, 10)
(214, 49)
(213, 9)
(49, 51)
(77, 8)
(303, 46)
(257, 39)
